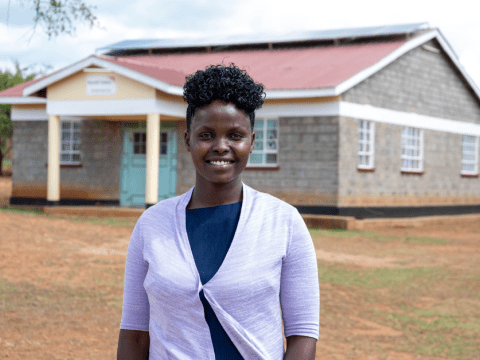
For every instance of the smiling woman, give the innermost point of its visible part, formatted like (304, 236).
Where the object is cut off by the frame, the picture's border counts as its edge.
(210, 274)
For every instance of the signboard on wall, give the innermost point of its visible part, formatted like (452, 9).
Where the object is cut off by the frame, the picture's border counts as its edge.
(101, 85)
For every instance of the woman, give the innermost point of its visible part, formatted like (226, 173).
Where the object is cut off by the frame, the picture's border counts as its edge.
(208, 272)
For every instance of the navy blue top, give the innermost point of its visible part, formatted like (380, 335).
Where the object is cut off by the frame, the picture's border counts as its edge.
(210, 233)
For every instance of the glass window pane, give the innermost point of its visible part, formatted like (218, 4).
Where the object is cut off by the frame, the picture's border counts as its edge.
(271, 134)
(65, 157)
(77, 125)
(76, 136)
(258, 125)
(256, 158)
(163, 149)
(76, 147)
(259, 135)
(66, 125)
(76, 157)
(271, 124)
(272, 145)
(258, 145)
(271, 158)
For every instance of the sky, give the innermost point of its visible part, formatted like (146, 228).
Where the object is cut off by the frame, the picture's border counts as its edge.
(166, 19)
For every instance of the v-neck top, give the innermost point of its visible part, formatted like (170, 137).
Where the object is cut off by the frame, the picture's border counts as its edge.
(269, 272)
(210, 232)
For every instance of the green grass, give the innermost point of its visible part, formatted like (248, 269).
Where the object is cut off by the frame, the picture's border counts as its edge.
(375, 278)
(91, 220)
(371, 235)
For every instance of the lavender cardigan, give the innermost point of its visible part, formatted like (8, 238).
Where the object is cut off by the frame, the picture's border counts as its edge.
(269, 272)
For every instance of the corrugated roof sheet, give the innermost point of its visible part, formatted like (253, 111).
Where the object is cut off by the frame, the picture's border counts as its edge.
(305, 68)
(18, 89)
(267, 38)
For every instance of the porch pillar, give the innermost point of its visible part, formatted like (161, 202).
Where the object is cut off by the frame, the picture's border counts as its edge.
(53, 179)
(153, 154)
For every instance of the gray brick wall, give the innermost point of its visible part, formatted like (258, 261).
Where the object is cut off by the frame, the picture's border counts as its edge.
(308, 154)
(98, 177)
(420, 81)
(442, 166)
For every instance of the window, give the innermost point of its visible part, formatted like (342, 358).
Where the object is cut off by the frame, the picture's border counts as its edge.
(412, 149)
(366, 144)
(70, 142)
(140, 143)
(266, 143)
(469, 155)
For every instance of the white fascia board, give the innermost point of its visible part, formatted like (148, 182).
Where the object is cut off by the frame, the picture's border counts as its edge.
(306, 109)
(102, 107)
(368, 112)
(394, 55)
(304, 93)
(34, 114)
(147, 80)
(448, 49)
(85, 108)
(19, 100)
(93, 60)
(59, 75)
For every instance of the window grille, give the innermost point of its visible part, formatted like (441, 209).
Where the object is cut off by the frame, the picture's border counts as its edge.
(412, 149)
(265, 151)
(469, 155)
(70, 142)
(366, 144)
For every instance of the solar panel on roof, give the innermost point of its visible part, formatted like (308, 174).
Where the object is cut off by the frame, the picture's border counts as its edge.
(266, 38)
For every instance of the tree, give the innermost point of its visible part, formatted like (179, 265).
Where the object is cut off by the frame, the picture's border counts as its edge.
(7, 80)
(59, 16)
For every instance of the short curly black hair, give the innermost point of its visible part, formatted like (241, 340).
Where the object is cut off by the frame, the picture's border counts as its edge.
(226, 83)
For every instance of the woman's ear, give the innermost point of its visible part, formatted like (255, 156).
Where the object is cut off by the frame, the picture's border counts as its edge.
(253, 142)
(186, 140)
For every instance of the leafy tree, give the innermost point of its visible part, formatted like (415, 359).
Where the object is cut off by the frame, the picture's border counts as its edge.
(59, 16)
(7, 80)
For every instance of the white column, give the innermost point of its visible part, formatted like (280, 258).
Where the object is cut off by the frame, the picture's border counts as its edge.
(53, 179)
(153, 154)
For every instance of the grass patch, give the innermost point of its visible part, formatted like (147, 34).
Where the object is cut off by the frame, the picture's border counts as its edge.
(435, 333)
(7, 165)
(352, 234)
(374, 278)
(424, 240)
(33, 211)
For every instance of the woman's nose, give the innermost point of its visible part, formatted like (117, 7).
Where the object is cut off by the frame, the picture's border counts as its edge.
(221, 145)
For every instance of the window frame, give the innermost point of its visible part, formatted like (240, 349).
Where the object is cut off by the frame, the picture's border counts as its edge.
(475, 154)
(71, 151)
(371, 142)
(420, 149)
(265, 150)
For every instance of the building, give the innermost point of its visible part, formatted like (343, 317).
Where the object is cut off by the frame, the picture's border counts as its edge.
(369, 122)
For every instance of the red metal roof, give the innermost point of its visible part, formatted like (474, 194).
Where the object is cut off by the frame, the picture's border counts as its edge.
(291, 69)
(281, 69)
(18, 89)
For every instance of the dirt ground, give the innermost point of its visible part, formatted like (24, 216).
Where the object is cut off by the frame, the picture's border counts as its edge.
(61, 287)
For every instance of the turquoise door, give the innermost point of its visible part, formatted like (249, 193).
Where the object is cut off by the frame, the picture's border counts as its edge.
(133, 169)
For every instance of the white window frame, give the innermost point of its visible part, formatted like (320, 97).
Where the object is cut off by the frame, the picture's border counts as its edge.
(264, 151)
(473, 162)
(67, 145)
(409, 136)
(366, 144)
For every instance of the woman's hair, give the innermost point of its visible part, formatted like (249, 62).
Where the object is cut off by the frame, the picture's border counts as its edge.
(226, 83)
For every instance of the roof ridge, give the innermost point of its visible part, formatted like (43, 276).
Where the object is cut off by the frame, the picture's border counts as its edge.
(136, 62)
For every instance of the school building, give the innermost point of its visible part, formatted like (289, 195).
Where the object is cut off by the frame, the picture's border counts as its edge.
(366, 122)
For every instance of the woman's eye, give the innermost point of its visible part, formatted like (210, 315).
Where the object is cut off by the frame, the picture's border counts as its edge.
(238, 136)
(205, 136)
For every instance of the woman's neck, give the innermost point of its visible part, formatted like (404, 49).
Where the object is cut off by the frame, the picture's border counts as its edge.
(208, 194)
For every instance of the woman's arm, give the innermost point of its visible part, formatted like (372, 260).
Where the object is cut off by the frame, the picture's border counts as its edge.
(300, 348)
(133, 345)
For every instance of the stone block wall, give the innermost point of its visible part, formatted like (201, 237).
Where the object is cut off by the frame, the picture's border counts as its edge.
(422, 82)
(96, 179)
(308, 163)
(440, 184)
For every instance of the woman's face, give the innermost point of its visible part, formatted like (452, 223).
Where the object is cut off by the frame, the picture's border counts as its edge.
(220, 140)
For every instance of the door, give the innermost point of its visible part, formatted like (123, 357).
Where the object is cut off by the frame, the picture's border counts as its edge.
(133, 169)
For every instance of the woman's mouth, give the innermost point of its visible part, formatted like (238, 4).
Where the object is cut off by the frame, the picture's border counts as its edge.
(220, 163)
